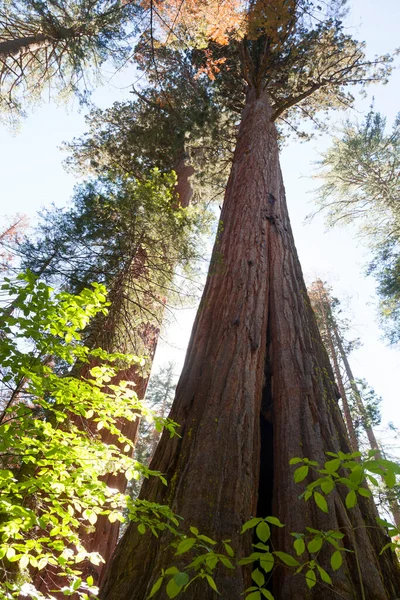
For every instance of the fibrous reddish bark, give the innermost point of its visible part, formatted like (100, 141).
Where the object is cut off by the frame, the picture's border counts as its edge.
(256, 390)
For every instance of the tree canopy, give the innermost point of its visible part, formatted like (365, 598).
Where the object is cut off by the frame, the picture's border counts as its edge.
(57, 45)
(361, 185)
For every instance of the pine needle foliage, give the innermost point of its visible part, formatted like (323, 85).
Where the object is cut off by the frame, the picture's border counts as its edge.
(361, 186)
(57, 46)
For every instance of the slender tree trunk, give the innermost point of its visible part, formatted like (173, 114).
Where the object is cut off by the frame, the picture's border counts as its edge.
(322, 298)
(360, 406)
(29, 43)
(373, 442)
(32, 43)
(183, 189)
(104, 537)
(256, 390)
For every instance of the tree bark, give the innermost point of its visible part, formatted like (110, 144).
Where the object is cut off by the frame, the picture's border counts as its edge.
(321, 299)
(256, 390)
(32, 43)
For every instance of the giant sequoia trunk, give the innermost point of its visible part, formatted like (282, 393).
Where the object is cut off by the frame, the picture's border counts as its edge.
(256, 390)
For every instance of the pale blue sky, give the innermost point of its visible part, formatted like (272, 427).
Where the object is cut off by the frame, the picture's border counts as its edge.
(32, 176)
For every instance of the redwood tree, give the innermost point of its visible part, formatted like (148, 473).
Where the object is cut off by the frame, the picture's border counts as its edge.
(257, 388)
(131, 236)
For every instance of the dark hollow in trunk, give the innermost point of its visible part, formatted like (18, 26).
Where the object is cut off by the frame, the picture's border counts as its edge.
(217, 470)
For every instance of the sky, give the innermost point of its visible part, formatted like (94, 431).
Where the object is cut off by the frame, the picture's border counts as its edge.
(33, 176)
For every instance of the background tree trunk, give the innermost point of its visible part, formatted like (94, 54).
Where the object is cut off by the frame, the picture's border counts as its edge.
(111, 333)
(256, 390)
(318, 298)
(373, 442)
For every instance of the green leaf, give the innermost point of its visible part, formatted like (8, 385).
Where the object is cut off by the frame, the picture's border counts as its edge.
(324, 575)
(172, 588)
(320, 502)
(357, 475)
(311, 578)
(267, 594)
(364, 492)
(332, 465)
(229, 549)
(351, 499)
(254, 596)
(327, 485)
(212, 583)
(390, 479)
(185, 545)
(258, 577)
(274, 521)
(77, 584)
(385, 523)
(299, 546)
(250, 524)
(338, 535)
(267, 562)
(211, 560)
(171, 571)
(24, 561)
(300, 474)
(181, 579)
(263, 531)
(315, 545)
(206, 539)
(373, 480)
(261, 546)
(226, 562)
(141, 528)
(389, 545)
(295, 461)
(289, 560)
(156, 587)
(336, 560)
